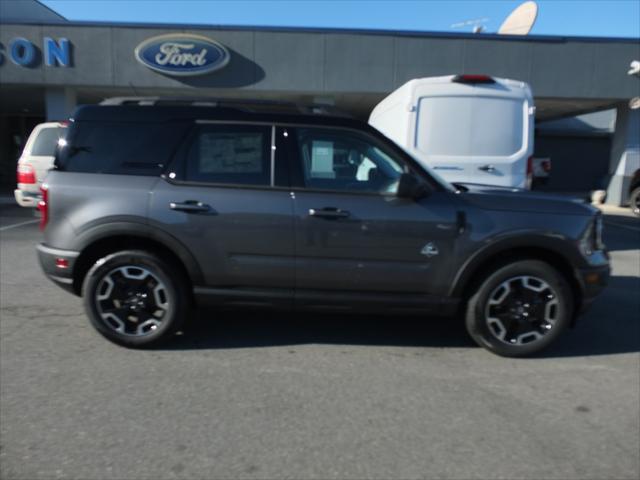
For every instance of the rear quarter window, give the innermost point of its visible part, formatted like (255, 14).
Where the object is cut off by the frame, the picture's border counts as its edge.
(119, 148)
(46, 141)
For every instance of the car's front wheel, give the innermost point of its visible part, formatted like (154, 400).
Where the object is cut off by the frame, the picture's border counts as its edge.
(634, 201)
(519, 308)
(134, 298)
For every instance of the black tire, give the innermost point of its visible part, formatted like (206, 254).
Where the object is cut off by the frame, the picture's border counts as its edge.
(634, 201)
(494, 311)
(159, 297)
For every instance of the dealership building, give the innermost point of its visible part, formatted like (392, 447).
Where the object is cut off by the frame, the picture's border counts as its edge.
(49, 65)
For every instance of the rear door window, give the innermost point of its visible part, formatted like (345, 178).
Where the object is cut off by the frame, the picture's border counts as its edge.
(46, 141)
(230, 154)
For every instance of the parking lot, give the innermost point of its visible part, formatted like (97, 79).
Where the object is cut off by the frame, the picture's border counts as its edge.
(251, 395)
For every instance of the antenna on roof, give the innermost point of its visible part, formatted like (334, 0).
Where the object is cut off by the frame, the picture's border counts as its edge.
(476, 23)
(135, 93)
(520, 21)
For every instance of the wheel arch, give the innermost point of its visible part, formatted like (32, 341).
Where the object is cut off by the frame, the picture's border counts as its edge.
(112, 238)
(483, 264)
(635, 182)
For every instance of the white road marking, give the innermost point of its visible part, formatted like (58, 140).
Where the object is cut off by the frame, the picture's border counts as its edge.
(16, 225)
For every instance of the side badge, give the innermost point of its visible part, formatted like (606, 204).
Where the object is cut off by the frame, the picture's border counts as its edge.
(430, 250)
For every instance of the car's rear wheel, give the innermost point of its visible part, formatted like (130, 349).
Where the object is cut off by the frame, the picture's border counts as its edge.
(519, 308)
(634, 201)
(135, 299)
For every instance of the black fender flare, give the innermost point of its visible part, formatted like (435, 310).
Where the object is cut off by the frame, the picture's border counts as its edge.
(140, 230)
(555, 245)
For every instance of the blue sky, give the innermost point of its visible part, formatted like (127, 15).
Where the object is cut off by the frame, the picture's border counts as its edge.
(610, 18)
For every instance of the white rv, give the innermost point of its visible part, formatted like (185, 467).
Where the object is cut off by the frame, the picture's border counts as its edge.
(468, 128)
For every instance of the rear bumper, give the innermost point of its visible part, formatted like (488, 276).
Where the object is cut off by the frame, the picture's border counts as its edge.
(26, 198)
(49, 257)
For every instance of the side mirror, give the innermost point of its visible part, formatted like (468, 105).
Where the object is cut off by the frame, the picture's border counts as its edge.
(410, 187)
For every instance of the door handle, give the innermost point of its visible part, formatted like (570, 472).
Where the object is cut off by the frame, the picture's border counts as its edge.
(487, 168)
(328, 213)
(190, 206)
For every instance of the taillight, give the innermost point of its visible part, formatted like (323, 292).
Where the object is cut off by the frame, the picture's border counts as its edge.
(546, 166)
(62, 263)
(43, 206)
(26, 173)
(473, 79)
(529, 178)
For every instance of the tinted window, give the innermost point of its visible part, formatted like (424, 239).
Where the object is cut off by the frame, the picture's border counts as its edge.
(119, 148)
(344, 160)
(46, 142)
(230, 154)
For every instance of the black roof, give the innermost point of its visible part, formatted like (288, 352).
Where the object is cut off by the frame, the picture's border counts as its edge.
(163, 109)
(155, 109)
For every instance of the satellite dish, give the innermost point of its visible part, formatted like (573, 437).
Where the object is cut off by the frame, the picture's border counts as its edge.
(521, 20)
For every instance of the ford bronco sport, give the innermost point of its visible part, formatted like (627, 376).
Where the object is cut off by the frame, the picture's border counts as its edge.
(155, 206)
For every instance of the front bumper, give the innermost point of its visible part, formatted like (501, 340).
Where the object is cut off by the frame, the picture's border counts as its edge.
(592, 281)
(49, 259)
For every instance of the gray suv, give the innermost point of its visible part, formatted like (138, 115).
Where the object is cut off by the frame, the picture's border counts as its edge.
(154, 207)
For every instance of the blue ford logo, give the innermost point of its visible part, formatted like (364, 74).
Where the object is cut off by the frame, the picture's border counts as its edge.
(182, 54)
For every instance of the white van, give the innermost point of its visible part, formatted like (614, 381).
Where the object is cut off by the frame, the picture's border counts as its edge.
(468, 128)
(36, 160)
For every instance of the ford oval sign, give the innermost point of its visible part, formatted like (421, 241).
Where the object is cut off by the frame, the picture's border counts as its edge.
(182, 54)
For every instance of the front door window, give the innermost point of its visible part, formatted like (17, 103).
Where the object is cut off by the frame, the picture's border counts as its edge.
(341, 160)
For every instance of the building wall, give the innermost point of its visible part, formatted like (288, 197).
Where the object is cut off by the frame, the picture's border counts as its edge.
(334, 62)
(578, 163)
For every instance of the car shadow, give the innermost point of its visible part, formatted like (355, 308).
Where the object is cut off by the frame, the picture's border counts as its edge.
(603, 330)
(621, 233)
(622, 215)
(610, 326)
(246, 329)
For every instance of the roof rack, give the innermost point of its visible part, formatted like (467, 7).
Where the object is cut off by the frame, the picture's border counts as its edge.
(197, 101)
(248, 105)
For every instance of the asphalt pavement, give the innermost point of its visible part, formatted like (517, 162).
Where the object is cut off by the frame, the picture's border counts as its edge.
(255, 395)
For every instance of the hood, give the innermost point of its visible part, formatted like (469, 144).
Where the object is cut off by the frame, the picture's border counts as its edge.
(491, 197)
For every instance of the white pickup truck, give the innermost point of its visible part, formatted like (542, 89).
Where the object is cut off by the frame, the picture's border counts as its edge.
(36, 159)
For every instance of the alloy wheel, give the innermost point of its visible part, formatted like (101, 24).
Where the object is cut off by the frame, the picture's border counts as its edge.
(522, 310)
(132, 301)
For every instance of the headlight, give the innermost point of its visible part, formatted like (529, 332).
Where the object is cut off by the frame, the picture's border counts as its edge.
(591, 240)
(598, 228)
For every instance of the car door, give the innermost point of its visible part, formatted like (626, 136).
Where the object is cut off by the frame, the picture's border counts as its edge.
(353, 234)
(219, 199)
